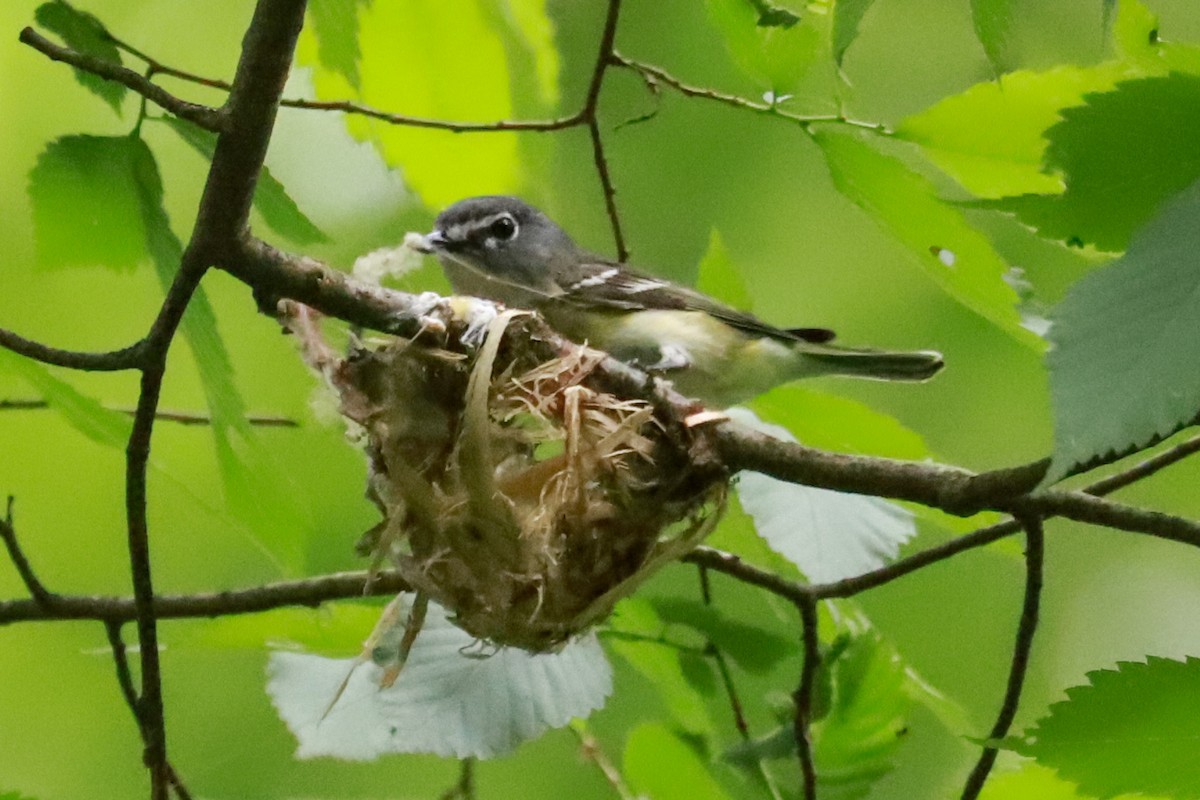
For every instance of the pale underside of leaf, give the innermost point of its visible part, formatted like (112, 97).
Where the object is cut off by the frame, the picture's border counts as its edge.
(452, 699)
(828, 535)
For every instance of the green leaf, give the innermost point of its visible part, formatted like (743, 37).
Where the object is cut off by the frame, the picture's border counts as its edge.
(450, 699)
(252, 484)
(1132, 729)
(278, 209)
(660, 663)
(14, 796)
(528, 37)
(717, 275)
(1122, 340)
(335, 23)
(991, 138)
(847, 16)
(460, 77)
(83, 32)
(862, 728)
(854, 743)
(1121, 154)
(956, 256)
(332, 630)
(86, 210)
(752, 648)
(828, 535)
(832, 422)
(1138, 42)
(778, 744)
(776, 57)
(84, 414)
(993, 21)
(1035, 781)
(661, 765)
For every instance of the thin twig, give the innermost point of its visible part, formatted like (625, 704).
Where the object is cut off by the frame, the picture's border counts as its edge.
(735, 701)
(658, 75)
(42, 596)
(1034, 551)
(208, 118)
(591, 103)
(589, 747)
(712, 651)
(660, 639)
(180, 417)
(309, 592)
(804, 696)
(116, 360)
(159, 68)
(348, 107)
(465, 788)
(125, 680)
(610, 191)
(121, 660)
(734, 566)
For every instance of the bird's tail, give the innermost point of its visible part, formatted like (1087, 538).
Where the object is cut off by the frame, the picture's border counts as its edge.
(884, 365)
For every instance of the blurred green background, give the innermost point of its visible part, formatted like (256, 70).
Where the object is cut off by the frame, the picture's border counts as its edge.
(807, 255)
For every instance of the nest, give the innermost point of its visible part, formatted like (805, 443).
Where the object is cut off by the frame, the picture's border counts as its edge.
(515, 491)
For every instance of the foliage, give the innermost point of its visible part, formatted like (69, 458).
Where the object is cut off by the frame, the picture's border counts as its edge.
(1117, 733)
(796, 158)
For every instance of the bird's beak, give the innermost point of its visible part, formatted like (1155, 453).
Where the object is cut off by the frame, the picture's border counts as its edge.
(432, 242)
(436, 240)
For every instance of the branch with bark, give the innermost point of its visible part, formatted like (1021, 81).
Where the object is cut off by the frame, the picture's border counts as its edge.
(221, 239)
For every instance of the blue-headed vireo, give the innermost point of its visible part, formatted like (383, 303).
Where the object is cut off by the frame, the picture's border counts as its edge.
(501, 248)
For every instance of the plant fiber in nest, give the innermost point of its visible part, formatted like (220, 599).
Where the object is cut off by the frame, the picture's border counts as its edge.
(515, 491)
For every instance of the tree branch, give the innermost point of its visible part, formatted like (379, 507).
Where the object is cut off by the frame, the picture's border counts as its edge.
(114, 361)
(464, 788)
(220, 223)
(125, 680)
(589, 115)
(310, 592)
(204, 116)
(42, 596)
(804, 696)
(221, 238)
(1034, 551)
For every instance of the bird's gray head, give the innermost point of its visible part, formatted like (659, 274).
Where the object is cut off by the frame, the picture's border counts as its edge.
(502, 237)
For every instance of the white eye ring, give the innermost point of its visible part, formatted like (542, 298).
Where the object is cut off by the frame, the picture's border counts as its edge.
(503, 228)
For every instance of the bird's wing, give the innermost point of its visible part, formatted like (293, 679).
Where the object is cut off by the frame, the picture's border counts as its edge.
(605, 285)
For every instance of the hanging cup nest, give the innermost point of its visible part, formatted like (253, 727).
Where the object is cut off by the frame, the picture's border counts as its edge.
(515, 490)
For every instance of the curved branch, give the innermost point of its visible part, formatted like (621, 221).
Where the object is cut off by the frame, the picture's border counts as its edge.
(112, 361)
(208, 118)
(1034, 551)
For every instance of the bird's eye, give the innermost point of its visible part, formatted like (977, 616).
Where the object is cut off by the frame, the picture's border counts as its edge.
(503, 229)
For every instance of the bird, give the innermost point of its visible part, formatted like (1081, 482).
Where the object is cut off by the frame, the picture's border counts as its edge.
(502, 249)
